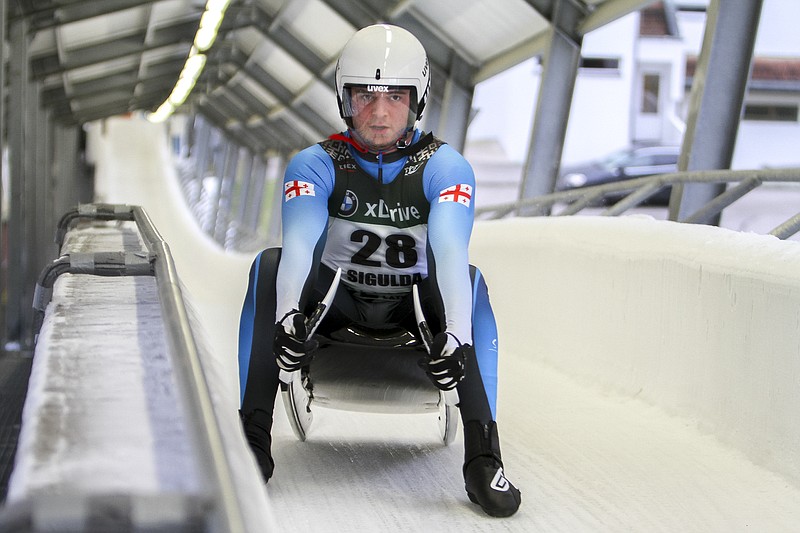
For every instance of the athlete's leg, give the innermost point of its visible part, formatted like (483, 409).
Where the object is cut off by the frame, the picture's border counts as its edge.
(258, 372)
(484, 479)
(478, 389)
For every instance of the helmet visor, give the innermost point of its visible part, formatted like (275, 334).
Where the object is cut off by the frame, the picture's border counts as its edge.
(395, 105)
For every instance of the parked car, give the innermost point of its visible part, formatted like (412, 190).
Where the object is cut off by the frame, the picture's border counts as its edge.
(634, 162)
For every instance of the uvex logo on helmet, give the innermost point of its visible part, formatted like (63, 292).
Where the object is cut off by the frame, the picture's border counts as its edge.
(378, 88)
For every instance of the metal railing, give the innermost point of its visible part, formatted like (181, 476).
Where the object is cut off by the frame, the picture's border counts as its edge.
(636, 192)
(221, 510)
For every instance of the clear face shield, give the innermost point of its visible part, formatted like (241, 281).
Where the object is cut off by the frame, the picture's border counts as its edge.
(380, 114)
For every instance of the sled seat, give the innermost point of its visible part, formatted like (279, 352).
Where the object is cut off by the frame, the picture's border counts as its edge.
(371, 370)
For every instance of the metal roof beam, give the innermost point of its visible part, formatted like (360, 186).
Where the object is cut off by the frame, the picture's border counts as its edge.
(241, 137)
(609, 11)
(133, 44)
(294, 47)
(283, 95)
(57, 14)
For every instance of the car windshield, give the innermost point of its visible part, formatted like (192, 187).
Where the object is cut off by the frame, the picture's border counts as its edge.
(616, 159)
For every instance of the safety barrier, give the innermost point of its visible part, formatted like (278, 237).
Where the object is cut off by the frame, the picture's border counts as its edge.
(214, 507)
(637, 191)
(702, 322)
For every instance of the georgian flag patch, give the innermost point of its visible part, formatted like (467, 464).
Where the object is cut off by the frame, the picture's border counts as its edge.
(294, 189)
(461, 193)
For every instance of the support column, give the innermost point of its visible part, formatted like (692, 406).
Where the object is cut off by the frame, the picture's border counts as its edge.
(274, 191)
(17, 309)
(716, 100)
(457, 104)
(560, 63)
(255, 195)
(3, 177)
(201, 150)
(227, 183)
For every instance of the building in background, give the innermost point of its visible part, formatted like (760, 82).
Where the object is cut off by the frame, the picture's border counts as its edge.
(633, 87)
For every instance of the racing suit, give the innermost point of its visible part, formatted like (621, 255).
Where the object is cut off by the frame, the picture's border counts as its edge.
(388, 221)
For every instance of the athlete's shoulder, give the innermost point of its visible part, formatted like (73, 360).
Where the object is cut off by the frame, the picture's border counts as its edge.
(446, 168)
(449, 161)
(447, 153)
(310, 155)
(312, 165)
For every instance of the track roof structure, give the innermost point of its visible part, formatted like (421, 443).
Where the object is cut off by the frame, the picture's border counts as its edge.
(268, 81)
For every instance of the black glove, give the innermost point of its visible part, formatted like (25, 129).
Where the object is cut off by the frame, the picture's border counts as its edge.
(445, 363)
(293, 350)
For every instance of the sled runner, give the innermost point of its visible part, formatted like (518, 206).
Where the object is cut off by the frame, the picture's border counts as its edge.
(362, 369)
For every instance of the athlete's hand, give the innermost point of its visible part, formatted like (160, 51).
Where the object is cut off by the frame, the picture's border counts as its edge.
(446, 361)
(293, 350)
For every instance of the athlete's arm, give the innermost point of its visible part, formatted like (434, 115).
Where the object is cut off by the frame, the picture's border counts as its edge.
(307, 184)
(450, 186)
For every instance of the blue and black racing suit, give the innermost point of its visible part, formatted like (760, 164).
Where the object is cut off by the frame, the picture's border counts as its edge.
(389, 221)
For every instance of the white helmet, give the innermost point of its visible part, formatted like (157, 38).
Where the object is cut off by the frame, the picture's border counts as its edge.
(383, 54)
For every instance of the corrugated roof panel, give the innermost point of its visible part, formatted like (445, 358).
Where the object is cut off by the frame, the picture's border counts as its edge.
(321, 28)
(98, 29)
(101, 70)
(322, 99)
(43, 42)
(273, 7)
(164, 52)
(483, 29)
(170, 10)
(274, 54)
(279, 64)
(247, 39)
(257, 91)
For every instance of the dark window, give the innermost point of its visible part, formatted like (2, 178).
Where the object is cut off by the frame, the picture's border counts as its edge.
(650, 90)
(600, 63)
(771, 112)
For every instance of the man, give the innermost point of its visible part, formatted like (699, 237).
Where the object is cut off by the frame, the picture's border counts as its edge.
(390, 206)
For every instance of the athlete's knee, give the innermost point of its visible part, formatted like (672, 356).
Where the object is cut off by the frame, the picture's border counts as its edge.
(264, 266)
(479, 287)
(269, 258)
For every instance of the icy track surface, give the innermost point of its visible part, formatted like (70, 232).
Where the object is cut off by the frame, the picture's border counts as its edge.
(584, 459)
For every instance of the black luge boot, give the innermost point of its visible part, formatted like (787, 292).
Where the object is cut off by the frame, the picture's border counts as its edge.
(484, 478)
(257, 426)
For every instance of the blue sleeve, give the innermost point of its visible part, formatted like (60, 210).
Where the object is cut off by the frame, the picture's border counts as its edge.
(307, 185)
(449, 229)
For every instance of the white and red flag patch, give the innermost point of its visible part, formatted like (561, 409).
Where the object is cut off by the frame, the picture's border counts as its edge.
(461, 193)
(293, 189)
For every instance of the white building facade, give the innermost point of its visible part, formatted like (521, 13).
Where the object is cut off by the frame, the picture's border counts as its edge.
(634, 86)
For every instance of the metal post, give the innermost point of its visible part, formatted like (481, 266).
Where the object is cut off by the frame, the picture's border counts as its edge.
(716, 99)
(274, 194)
(201, 152)
(559, 70)
(3, 214)
(253, 208)
(457, 106)
(245, 188)
(18, 260)
(227, 183)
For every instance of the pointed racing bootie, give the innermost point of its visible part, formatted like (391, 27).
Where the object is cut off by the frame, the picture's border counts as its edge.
(484, 479)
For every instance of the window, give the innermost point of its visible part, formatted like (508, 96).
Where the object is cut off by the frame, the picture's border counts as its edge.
(650, 91)
(600, 63)
(771, 112)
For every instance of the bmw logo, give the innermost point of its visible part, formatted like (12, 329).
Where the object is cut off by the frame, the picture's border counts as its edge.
(349, 204)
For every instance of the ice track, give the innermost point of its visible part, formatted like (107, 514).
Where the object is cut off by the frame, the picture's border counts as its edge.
(584, 457)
